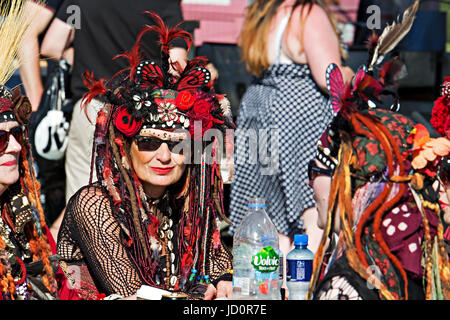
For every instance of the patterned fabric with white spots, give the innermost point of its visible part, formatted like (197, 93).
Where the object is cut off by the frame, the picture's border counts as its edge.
(403, 231)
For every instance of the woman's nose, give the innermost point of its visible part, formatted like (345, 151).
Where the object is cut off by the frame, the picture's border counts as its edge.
(163, 153)
(13, 145)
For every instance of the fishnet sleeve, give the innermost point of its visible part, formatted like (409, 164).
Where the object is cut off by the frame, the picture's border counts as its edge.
(220, 261)
(90, 227)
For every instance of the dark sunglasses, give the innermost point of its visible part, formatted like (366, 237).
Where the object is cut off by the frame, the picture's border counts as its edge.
(314, 171)
(145, 143)
(4, 136)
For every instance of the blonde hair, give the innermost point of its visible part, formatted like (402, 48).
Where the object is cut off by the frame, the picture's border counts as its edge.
(254, 34)
(12, 29)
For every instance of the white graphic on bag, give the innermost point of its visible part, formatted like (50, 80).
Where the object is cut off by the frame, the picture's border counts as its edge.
(51, 135)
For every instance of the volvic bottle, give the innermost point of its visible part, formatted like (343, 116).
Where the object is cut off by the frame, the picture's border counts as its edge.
(256, 256)
(299, 268)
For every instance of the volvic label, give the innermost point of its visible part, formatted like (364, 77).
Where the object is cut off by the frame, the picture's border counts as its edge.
(266, 260)
(299, 270)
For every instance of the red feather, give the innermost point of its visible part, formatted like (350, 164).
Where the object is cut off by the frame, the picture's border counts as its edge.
(366, 84)
(166, 35)
(197, 62)
(95, 87)
(391, 72)
(372, 41)
(133, 56)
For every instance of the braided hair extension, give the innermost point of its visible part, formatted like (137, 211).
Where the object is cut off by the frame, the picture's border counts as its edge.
(130, 187)
(32, 188)
(382, 205)
(38, 241)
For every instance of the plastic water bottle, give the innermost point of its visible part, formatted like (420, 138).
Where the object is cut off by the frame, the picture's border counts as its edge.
(282, 277)
(299, 268)
(256, 256)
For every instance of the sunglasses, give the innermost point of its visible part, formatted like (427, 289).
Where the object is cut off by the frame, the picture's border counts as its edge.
(146, 143)
(314, 171)
(4, 136)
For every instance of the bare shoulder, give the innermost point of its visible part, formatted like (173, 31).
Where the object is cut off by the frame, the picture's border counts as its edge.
(312, 15)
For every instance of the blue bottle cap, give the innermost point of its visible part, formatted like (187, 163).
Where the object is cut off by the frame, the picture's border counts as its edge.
(301, 240)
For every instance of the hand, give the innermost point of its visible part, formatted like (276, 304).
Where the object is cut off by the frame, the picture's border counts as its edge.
(213, 71)
(178, 60)
(225, 289)
(210, 292)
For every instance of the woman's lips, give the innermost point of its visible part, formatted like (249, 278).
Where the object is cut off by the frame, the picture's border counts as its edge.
(9, 163)
(162, 171)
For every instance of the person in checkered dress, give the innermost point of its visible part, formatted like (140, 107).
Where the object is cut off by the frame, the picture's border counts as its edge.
(284, 110)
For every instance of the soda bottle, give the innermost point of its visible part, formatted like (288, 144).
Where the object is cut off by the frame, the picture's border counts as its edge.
(299, 268)
(256, 256)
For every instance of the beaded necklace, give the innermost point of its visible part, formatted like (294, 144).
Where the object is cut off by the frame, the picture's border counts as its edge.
(161, 209)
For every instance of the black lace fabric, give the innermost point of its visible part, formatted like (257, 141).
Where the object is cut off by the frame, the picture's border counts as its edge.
(90, 235)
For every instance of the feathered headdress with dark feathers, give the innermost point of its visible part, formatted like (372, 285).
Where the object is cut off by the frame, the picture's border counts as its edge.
(391, 37)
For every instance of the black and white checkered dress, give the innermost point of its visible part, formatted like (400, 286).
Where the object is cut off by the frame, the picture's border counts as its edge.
(287, 101)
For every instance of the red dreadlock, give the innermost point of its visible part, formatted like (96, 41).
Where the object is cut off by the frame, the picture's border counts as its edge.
(38, 244)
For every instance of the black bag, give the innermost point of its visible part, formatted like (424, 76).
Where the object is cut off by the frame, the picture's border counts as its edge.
(49, 128)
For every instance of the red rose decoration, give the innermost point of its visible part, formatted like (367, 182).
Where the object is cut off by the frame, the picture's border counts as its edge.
(440, 115)
(185, 99)
(200, 112)
(202, 108)
(5, 105)
(126, 123)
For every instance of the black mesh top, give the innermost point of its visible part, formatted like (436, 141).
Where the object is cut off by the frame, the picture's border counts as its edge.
(91, 236)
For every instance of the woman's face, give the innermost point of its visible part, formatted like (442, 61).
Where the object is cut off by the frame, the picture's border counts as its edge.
(9, 158)
(159, 168)
(321, 184)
